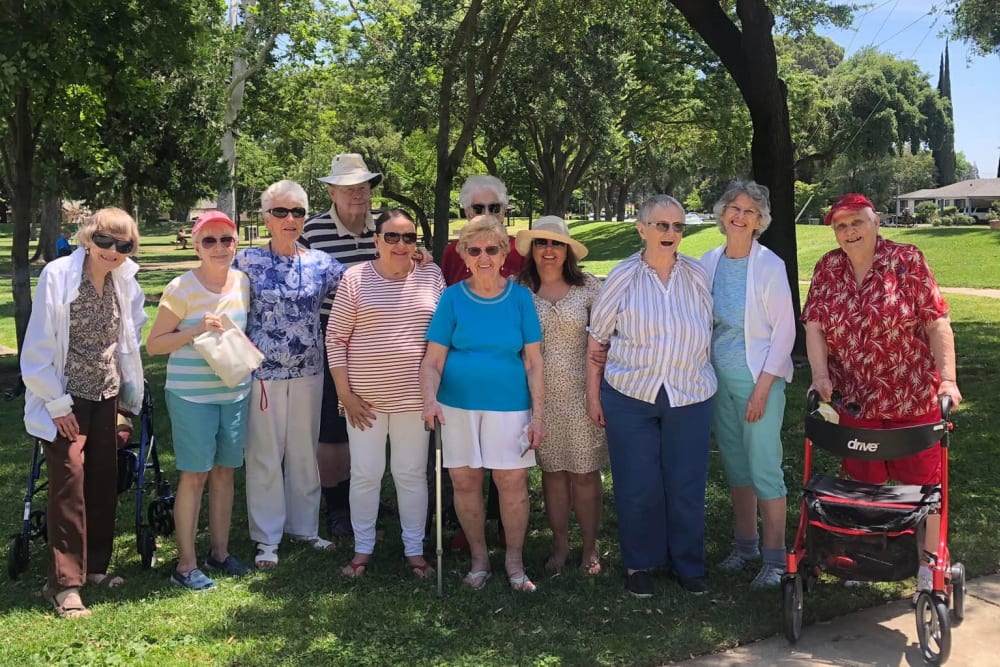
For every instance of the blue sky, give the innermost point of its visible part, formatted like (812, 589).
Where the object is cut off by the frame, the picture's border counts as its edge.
(911, 29)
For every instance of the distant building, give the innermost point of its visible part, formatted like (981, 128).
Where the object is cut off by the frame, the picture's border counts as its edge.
(970, 197)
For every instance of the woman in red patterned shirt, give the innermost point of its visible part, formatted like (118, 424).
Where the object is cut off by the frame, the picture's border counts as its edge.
(877, 330)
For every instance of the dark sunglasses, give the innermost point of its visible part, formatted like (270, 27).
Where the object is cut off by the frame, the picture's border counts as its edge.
(668, 226)
(105, 241)
(545, 243)
(210, 241)
(282, 212)
(475, 251)
(479, 209)
(392, 238)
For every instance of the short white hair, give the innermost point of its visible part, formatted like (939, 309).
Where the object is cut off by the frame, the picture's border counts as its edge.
(474, 184)
(285, 188)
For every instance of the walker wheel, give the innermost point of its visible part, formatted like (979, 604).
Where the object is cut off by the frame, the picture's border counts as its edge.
(38, 527)
(147, 546)
(17, 556)
(791, 606)
(958, 592)
(161, 517)
(933, 628)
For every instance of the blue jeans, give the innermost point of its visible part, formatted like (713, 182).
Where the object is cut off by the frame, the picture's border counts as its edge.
(659, 466)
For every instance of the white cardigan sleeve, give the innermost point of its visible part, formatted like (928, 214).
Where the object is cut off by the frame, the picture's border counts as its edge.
(38, 358)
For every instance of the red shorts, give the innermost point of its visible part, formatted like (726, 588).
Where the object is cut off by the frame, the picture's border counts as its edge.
(921, 468)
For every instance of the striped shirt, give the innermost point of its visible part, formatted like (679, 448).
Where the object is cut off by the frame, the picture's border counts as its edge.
(326, 232)
(660, 334)
(377, 329)
(188, 374)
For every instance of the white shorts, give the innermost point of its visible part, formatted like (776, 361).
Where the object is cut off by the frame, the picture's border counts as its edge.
(484, 439)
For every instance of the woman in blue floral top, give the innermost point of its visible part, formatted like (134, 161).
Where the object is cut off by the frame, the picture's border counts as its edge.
(288, 284)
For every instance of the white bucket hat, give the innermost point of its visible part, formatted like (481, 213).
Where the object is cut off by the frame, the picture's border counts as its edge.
(350, 169)
(548, 227)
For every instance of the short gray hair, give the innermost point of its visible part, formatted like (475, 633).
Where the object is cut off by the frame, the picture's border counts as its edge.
(474, 184)
(758, 193)
(658, 200)
(285, 188)
(483, 226)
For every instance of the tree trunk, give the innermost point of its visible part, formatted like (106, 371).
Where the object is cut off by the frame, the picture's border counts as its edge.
(24, 158)
(50, 225)
(750, 59)
(622, 201)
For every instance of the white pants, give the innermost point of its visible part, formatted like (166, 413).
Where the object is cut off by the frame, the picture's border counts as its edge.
(408, 464)
(283, 491)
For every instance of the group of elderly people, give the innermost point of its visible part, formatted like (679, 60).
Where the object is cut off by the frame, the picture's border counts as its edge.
(518, 362)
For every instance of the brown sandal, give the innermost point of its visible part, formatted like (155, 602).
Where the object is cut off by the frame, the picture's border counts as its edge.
(63, 610)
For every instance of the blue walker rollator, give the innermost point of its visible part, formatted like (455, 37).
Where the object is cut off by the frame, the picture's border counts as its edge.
(135, 460)
(871, 532)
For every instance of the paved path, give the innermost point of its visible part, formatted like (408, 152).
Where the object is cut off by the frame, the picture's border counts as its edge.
(884, 636)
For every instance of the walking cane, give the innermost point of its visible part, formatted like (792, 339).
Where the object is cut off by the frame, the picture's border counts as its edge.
(437, 503)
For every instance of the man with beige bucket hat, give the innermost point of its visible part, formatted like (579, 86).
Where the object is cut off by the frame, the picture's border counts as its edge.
(347, 233)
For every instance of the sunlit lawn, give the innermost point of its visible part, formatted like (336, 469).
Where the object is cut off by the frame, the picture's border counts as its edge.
(304, 612)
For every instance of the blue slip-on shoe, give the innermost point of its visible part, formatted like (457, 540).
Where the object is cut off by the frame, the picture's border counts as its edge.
(195, 580)
(229, 566)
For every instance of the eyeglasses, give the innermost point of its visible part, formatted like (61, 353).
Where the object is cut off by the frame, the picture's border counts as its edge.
(105, 241)
(392, 238)
(479, 209)
(282, 212)
(475, 251)
(668, 226)
(736, 210)
(210, 241)
(545, 243)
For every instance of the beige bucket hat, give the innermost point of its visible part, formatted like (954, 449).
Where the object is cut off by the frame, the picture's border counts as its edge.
(350, 169)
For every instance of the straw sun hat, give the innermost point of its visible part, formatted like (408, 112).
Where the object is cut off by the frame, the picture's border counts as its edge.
(548, 227)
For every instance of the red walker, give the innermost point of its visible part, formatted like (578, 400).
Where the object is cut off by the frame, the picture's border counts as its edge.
(871, 532)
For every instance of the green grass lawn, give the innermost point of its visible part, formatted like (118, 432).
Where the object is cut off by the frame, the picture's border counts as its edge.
(304, 612)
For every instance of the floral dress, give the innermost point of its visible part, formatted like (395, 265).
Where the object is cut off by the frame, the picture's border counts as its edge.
(573, 443)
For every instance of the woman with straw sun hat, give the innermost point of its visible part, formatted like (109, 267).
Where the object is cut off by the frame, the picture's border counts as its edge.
(575, 451)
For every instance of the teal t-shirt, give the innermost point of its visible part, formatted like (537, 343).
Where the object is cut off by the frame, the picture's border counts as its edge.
(484, 337)
(729, 294)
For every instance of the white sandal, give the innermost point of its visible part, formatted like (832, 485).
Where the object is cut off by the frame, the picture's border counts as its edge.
(267, 556)
(316, 542)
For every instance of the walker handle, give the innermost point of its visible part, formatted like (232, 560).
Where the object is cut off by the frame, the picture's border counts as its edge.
(812, 401)
(944, 402)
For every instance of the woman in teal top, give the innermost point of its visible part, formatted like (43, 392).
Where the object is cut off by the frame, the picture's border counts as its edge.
(482, 378)
(752, 337)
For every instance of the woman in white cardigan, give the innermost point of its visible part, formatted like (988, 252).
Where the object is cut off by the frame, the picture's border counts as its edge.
(81, 365)
(752, 337)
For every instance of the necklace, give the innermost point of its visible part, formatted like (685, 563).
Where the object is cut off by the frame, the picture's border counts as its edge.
(282, 284)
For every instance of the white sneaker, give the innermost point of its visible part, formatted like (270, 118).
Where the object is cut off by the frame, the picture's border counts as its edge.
(768, 576)
(735, 561)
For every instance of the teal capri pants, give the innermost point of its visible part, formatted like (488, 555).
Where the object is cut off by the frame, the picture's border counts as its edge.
(207, 434)
(751, 453)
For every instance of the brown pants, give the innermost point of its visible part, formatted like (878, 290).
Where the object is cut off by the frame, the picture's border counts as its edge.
(83, 489)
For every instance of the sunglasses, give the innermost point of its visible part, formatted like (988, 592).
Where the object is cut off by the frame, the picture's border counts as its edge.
(475, 251)
(392, 238)
(105, 241)
(282, 212)
(545, 243)
(668, 226)
(210, 241)
(479, 209)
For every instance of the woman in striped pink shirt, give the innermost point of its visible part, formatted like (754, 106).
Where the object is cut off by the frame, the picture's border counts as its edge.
(375, 341)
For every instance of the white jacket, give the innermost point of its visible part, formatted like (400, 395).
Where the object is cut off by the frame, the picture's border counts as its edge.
(768, 321)
(46, 342)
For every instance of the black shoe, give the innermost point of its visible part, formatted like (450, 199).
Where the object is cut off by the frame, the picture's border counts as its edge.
(694, 585)
(338, 524)
(638, 584)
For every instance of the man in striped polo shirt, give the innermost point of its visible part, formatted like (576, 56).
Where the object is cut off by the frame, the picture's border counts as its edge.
(347, 233)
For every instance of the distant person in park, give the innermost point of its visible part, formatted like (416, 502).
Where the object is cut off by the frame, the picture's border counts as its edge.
(345, 232)
(81, 364)
(752, 337)
(655, 399)
(878, 332)
(208, 418)
(483, 379)
(288, 285)
(390, 298)
(481, 195)
(182, 238)
(575, 450)
(63, 246)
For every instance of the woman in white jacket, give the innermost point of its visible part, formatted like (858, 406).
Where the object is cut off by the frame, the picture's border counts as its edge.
(753, 331)
(81, 365)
